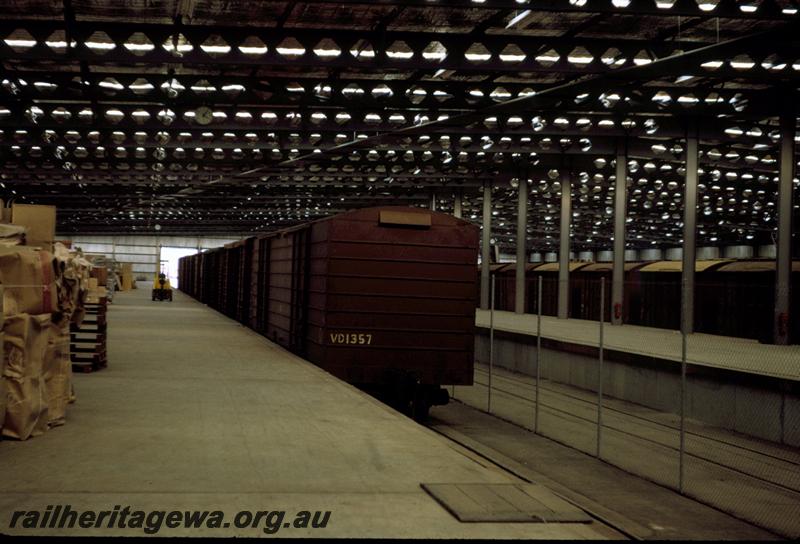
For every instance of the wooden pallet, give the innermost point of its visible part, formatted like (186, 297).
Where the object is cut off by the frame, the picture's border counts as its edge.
(88, 341)
(88, 337)
(86, 366)
(75, 349)
(95, 309)
(88, 359)
(95, 315)
(99, 326)
(89, 328)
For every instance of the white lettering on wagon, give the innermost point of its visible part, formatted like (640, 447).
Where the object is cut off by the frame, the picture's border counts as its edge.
(351, 338)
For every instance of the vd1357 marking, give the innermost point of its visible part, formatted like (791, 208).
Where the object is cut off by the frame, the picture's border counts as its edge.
(351, 338)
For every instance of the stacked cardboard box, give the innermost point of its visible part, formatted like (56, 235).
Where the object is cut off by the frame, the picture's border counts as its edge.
(57, 372)
(73, 287)
(105, 272)
(11, 235)
(100, 273)
(24, 348)
(28, 277)
(39, 222)
(97, 291)
(43, 291)
(126, 277)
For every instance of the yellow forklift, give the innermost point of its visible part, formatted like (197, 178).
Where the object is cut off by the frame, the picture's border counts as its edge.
(161, 287)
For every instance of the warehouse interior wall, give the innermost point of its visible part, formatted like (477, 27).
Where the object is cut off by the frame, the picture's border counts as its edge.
(142, 250)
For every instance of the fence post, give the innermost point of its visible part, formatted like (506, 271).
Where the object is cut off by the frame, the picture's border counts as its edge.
(491, 344)
(538, 351)
(682, 449)
(600, 368)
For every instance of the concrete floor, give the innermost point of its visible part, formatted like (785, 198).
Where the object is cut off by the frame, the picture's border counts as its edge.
(197, 412)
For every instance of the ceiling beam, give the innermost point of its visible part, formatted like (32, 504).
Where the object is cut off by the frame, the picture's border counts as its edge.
(553, 97)
(727, 9)
(456, 45)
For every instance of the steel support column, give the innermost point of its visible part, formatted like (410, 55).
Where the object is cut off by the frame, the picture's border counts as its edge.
(620, 213)
(783, 270)
(433, 201)
(522, 235)
(689, 230)
(485, 244)
(564, 245)
(457, 197)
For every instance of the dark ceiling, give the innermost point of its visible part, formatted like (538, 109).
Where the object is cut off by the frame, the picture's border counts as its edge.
(232, 117)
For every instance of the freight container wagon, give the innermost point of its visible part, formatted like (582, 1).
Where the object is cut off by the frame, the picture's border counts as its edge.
(383, 298)
(732, 297)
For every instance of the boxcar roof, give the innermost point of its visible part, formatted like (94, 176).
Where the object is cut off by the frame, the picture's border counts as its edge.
(766, 265)
(607, 267)
(554, 267)
(373, 213)
(676, 266)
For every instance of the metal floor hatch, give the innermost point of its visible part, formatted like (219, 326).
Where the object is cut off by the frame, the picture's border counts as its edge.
(505, 502)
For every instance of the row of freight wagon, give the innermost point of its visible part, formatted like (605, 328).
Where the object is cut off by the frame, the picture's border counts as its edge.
(383, 298)
(732, 297)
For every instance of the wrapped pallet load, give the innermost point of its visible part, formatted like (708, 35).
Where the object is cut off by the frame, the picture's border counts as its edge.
(11, 235)
(57, 370)
(43, 293)
(29, 296)
(126, 278)
(72, 282)
(72, 286)
(24, 351)
(3, 394)
(100, 273)
(28, 276)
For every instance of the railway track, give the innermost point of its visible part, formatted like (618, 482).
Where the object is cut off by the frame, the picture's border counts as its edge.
(607, 407)
(753, 480)
(754, 463)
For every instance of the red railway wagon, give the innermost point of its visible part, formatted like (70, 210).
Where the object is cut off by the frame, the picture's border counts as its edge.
(383, 298)
(732, 297)
(502, 299)
(505, 287)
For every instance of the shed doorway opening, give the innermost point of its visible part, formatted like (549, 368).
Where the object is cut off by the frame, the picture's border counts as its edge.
(169, 261)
